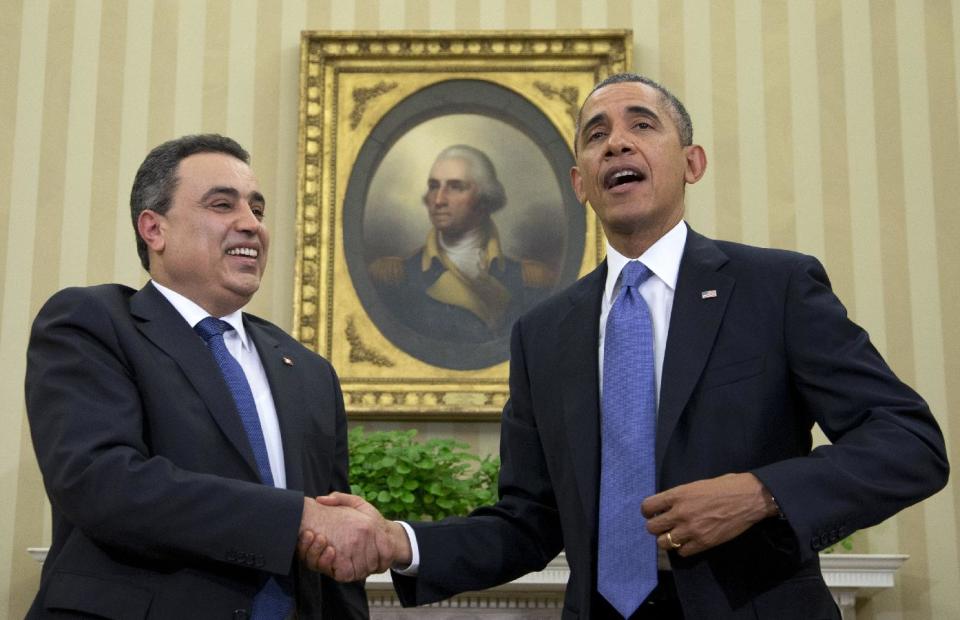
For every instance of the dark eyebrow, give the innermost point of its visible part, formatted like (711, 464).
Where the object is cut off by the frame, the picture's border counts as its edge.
(233, 193)
(600, 117)
(220, 190)
(639, 110)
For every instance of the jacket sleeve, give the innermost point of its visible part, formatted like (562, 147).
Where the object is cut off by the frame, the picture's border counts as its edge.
(521, 533)
(887, 451)
(93, 444)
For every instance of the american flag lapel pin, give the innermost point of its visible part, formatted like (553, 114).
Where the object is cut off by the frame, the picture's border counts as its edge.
(708, 294)
(287, 361)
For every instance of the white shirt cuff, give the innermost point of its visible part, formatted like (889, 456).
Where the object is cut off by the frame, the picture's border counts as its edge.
(414, 568)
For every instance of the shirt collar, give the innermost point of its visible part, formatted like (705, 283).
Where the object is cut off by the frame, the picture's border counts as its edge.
(193, 313)
(662, 258)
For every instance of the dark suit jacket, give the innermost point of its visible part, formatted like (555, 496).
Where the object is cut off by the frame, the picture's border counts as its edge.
(746, 374)
(158, 510)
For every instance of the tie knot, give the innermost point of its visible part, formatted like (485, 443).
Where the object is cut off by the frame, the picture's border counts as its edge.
(634, 274)
(210, 327)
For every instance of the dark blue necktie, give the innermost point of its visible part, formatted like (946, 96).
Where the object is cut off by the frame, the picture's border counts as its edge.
(273, 601)
(627, 562)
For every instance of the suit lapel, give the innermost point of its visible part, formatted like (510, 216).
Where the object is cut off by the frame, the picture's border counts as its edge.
(694, 322)
(287, 398)
(578, 340)
(162, 325)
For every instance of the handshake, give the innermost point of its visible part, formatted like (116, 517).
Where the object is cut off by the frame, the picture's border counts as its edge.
(345, 537)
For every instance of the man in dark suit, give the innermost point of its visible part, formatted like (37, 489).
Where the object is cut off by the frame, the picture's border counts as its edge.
(750, 348)
(178, 472)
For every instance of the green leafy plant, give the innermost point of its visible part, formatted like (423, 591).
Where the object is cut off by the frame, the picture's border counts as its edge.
(846, 544)
(411, 480)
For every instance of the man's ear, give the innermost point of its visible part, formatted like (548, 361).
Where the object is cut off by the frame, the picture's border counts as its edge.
(696, 163)
(150, 229)
(577, 180)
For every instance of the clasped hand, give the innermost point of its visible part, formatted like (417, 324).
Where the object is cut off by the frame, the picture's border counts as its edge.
(346, 538)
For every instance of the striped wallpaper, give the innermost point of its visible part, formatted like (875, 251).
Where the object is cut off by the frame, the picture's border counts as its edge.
(831, 127)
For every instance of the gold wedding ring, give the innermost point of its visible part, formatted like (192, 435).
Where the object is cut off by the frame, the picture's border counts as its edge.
(673, 544)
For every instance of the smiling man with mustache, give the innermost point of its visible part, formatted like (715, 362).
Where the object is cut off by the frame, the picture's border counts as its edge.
(179, 437)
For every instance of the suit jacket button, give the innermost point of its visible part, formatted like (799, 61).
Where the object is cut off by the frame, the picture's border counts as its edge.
(241, 614)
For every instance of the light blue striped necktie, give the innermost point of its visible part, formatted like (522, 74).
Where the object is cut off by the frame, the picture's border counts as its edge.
(627, 562)
(274, 601)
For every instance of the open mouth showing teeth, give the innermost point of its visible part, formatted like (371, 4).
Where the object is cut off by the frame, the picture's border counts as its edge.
(248, 252)
(620, 177)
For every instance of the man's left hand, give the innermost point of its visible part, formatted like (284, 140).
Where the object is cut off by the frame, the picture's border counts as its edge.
(706, 513)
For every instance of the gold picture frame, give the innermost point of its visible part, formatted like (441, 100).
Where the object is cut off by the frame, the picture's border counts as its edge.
(375, 109)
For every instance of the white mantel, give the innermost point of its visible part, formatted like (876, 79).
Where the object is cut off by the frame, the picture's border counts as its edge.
(539, 596)
(852, 576)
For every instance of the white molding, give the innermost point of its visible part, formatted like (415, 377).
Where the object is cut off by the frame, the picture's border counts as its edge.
(850, 576)
(860, 570)
(38, 553)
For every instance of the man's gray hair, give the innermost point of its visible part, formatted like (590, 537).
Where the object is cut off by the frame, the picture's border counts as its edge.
(492, 195)
(676, 109)
(156, 178)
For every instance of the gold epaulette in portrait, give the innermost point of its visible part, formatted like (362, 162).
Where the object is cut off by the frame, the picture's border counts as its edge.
(387, 270)
(537, 275)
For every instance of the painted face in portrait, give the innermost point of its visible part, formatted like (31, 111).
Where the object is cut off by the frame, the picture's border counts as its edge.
(211, 245)
(631, 165)
(452, 199)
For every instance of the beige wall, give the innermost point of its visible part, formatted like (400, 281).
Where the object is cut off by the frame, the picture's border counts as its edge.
(831, 127)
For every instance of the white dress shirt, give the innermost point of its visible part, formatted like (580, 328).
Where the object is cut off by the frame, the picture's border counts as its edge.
(663, 259)
(241, 347)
